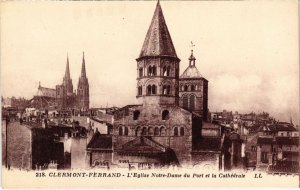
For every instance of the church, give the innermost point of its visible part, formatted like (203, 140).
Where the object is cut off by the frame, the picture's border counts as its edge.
(168, 125)
(63, 97)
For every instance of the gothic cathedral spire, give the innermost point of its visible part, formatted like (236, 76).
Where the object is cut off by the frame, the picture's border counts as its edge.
(83, 95)
(83, 72)
(67, 81)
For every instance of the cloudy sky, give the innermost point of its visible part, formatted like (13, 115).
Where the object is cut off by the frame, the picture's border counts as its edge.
(248, 50)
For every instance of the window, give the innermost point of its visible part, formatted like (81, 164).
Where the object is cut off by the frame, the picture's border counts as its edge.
(126, 131)
(185, 102)
(148, 89)
(164, 71)
(153, 89)
(168, 89)
(152, 71)
(141, 72)
(175, 131)
(253, 148)
(144, 131)
(164, 89)
(140, 90)
(138, 131)
(150, 131)
(168, 71)
(136, 115)
(185, 88)
(196, 87)
(192, 102)
(192, 88)
(162, 131)
(181, 131)
(120, 131)
(156, 131)
(182, 88)
(264, 157)
(165, 115)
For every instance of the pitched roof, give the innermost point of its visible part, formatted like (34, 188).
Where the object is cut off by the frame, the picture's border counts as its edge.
(99, 141)
(142, 145)
(191, 72)
(158, 41)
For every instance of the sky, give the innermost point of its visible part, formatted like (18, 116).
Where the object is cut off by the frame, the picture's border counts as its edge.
(247, 50)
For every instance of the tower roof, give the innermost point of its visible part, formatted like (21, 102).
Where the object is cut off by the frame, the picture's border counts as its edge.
(83, 72)
(67, 72)
(191, 71)
(158, 41)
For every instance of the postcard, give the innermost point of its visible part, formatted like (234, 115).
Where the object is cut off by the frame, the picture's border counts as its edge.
(149, 94)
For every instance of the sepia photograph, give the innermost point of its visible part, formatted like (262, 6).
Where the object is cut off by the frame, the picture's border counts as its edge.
(149, 94)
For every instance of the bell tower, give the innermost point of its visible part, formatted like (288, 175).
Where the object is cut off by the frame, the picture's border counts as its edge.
(158, 65)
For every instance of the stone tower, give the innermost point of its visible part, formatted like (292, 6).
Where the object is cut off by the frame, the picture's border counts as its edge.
(193, 90)
(83, 95)
(158, 65)
(67, 81)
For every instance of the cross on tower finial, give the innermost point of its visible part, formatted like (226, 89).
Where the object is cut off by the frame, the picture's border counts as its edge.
(192, 46)
(192, 58)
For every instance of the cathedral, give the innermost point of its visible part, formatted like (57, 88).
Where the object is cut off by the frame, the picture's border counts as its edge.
(168, 125)
(63, 96)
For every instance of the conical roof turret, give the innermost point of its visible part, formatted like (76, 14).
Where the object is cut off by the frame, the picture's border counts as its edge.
(158, 41)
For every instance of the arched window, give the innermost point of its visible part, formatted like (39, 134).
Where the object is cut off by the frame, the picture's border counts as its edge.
(196, 87)
(168, 71)
(136, 115)
(140, 90)
(126, 131)
(168, 89)
(153, 89)
(162, 131)
(156, 131)
(181, 131)
(165, 71)
(148, 89)
(192, 102)
(120, 131)
(175, 131)
(144, 131)
(185, 102)
(182, 88)
(192, 87)
(140, 72)
(150, 71)
(150, 131)
(164, 89)
(165, 115)
(154, 70)
(185, 88)
(138, 131)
